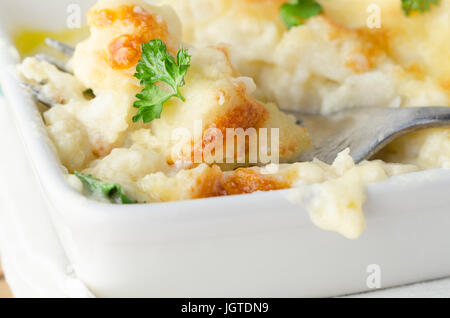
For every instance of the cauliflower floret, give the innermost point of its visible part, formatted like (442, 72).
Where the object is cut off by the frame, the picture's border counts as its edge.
(103, 119)
(126, 166)
(249, 28)
(200, 182)
(61, 87)
(69, 137)
(107, 59)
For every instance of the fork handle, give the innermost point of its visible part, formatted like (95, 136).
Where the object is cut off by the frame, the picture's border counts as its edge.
(366, 130)
(429, 116)
(407, 120)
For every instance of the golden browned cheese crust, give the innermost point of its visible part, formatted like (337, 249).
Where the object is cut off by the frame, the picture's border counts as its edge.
(206, 182)
(125, 50)
(248, 114)
(247, 180)
(371, 43)
(402, 35)
(207, 185)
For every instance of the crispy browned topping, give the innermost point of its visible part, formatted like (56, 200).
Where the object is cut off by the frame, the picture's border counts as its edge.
(244, 181)
(124, 51)
(445, 83)
(208, 185)
(128, 15)
(417, 71)
(102, 18)
(249, 113)
(101, 149)
(215, 183)
(374, 44)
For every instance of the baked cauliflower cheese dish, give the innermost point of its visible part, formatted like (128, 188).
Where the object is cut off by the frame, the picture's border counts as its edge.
(170, 100)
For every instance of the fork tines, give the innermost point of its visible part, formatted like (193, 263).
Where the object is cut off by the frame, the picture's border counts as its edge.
(59, 65)
(36, 92)
(36, 89)
(65, 49)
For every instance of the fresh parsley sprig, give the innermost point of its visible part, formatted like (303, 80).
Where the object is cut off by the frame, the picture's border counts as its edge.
(158, 65)
(296, 12)
(111, 191)
(421, 6)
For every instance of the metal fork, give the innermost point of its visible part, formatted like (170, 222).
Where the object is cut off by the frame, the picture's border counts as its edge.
(35, 89)
(364, 130)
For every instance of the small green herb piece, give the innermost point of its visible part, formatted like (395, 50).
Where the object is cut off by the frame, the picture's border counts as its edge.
(421, 6)
(112, 192)
(296, 12)
(157, 65)
(89, 94)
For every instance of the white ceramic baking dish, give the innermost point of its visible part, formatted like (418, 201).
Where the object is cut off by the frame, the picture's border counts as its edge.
(258, 245)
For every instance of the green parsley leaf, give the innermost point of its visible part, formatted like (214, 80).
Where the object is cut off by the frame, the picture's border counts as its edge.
(157, 65)
(296, 12)
(421, 6)
(89, 94)
(150, 103)
(112, 192)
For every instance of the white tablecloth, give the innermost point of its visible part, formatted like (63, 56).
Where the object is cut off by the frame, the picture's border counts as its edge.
(34, 261)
